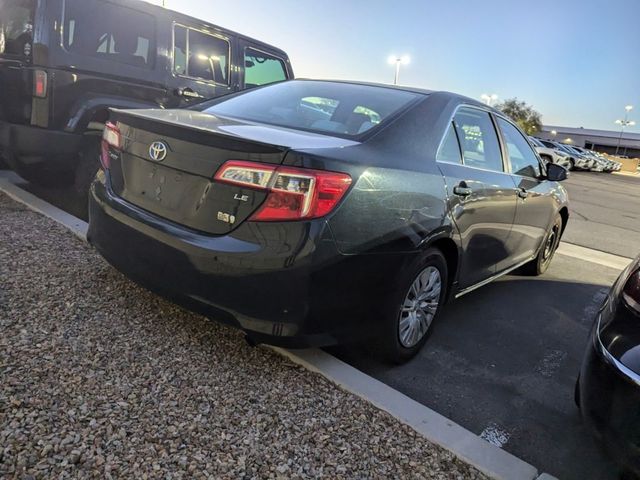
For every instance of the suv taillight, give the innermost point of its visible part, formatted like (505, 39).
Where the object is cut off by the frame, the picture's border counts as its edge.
(40, 83)
(293, 193)
(631, 292)
(111, 138)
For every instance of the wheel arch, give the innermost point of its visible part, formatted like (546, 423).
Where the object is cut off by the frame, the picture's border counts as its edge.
(91, 113)
(564, 214)
(451, 252)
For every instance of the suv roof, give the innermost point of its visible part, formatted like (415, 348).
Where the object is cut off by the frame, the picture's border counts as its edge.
(182, 17)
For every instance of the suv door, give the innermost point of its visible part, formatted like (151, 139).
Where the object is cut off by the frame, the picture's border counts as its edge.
(201, 66)
(536, 208)
(260, 66)
(481, 195)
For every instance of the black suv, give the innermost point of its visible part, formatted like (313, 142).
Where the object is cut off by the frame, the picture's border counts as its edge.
(63, 63)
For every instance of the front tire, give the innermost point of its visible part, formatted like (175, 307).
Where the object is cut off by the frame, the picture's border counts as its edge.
(409, 316)
(541, 263)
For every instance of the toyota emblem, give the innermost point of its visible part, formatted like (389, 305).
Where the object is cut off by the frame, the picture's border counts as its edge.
(158, 151)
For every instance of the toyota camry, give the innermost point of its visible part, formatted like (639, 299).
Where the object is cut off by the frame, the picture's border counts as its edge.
(316, 212)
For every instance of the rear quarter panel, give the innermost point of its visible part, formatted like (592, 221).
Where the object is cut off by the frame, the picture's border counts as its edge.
(398, 202)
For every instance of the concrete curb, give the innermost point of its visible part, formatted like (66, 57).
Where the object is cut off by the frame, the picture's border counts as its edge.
(8, 185)
(436, 428)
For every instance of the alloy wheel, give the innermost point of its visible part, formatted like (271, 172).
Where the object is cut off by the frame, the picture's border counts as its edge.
(419, 307)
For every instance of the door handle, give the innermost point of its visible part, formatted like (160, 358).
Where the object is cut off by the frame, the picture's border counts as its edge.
(523, 194)
(188, 92)
(462, 190)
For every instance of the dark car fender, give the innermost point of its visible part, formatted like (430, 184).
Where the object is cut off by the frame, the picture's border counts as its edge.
(96, 110)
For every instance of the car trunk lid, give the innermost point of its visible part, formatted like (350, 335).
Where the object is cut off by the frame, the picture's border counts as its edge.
(169, 158)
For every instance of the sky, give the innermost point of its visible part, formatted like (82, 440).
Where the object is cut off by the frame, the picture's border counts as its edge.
(574, 61)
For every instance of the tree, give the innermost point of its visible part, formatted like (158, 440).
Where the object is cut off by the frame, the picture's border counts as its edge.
(524, 115)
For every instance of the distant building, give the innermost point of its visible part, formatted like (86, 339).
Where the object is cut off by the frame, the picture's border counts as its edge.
(599, 140)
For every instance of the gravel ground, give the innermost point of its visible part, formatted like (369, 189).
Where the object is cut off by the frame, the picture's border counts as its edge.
(100, 378)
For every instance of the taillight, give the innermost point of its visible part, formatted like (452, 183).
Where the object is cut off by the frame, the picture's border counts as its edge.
(111, 138)
(40, 81)
(293, 193)
(631, 291)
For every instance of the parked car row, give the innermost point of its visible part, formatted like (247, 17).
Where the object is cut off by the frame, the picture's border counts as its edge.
(573, 157)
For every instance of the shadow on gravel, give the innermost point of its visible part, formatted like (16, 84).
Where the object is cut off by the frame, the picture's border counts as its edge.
(505, 359)
(64, 198)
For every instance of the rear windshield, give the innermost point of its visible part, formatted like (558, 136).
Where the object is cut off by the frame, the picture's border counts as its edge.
(342, 109)
(110, 32)
(16, 27)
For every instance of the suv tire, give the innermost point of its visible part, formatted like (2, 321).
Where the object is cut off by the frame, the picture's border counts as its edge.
(88, 164)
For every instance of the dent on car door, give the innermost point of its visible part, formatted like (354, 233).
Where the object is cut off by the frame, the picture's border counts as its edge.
(481, 195)
(536, 205)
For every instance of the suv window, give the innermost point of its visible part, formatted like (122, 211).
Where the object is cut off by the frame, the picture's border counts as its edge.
(478, 139)
(521, 156)
(261, 68)
(16, 27)
(449, 151)
(201, 55)
(110, 32)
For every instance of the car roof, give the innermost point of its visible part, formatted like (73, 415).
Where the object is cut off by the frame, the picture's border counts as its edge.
(178, 17)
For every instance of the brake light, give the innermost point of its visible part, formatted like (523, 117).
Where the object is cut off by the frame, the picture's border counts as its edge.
(111, 138)
(293, 193)
(40, 81)
(631, 292)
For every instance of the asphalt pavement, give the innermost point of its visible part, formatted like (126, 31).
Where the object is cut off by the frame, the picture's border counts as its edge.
(605, 212)
(503, 360)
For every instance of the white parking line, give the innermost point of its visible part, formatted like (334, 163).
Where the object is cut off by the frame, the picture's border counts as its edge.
(594, 256)
(495, 435)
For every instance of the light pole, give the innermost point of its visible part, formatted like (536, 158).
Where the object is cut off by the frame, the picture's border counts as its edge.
(403, 60)
(489, 99)
(623, 124)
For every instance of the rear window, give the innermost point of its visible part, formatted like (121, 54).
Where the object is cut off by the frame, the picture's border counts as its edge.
(262, 68)
(16, 27)
(341, 109)
(110, 32)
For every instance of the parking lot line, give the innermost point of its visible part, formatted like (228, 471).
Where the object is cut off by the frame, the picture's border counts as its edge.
(594, 256)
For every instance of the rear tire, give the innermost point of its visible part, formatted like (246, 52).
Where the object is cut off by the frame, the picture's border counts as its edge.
(88, 165)
(408, 318)
(541, 263)
(572, 165)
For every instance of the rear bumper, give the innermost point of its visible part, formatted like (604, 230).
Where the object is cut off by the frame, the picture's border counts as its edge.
(609, 402)
(282, 283)
(32, 145)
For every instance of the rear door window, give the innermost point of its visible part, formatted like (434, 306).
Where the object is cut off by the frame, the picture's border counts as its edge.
(449, 151)
(522, 158)
(261, 68)
(478, 139)
(110, 32)
(200, 55)
(16, 27)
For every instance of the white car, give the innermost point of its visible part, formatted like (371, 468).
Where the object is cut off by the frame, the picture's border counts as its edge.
(577, 160)
(551, 155)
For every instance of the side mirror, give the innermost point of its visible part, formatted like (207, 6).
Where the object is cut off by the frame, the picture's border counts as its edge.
(556, 173)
